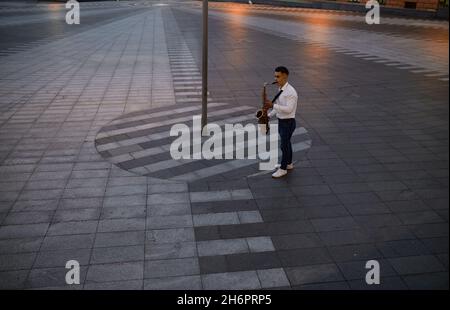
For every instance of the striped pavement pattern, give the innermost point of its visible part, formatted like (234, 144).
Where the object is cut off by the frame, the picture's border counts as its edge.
(140, 142)
(247, 246)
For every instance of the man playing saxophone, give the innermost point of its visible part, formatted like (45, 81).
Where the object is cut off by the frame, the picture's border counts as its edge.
(284, 107)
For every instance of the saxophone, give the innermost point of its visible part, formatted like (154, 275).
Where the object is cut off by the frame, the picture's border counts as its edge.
(261, 114)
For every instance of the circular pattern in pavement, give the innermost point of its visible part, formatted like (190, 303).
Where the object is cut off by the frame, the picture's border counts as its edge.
(140, 142)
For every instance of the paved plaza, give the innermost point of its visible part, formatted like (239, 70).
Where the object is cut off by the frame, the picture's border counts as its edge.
(86, 173)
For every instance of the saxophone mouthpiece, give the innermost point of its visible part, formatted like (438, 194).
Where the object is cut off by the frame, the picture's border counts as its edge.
(274, 82)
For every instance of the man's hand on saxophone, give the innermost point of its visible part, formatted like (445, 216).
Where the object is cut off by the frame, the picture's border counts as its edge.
(268, 104)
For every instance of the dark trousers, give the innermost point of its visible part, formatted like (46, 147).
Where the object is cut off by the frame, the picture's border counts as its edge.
(286, 128)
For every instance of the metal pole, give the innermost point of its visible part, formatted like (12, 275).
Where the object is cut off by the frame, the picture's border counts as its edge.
(205, 65)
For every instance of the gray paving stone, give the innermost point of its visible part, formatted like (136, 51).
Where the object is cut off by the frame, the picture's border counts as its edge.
(282, 214)
(45, 184)
(260, 244)
(387, 186)
(119, 239)
(318, 201)
(243, 280)
(115, 272)
(421, 217)
(35, 205)
(169, 209)
(377, 220)
(167, 188)
(386, 283)
(40, 194)
(271, 192)
(389, 233)
(83, 192)
(167, 198)
(12, 280)
(21, 245)
(296, 241)
(87, 182)
(210, 219)
(110, 225)
(249, 217)
(20, 218)
(405, 195)
(16, 261)
(12, 196)
(85, 174)
(270, 278)
(436, 245)
(213, 264)
(59, 258)
(117, 285)
(171, 267)
(169, 221)
(91, 166)
(117, 254)
(174, 283)
(252, 261)
(313, 274)
(428, 281)
(325, 212)
(121, 181)
(80, 203)
(125, 201)
(344, 237)
(11, 186)
(334, 286)
(305, 256)
(123, 212)
(172, 235)
(335, 223)
(368, 209)
(222, 247)
(76, 215)
(158, 251)
(67, 242)
(311, 190)
(60, 175)
(399, 248)
(358, 198)
(127, 190)
(416, 264)
(23, 231)
(72, 228)
(349, 188)
(354, 252)
(210, 196)
(432, 230)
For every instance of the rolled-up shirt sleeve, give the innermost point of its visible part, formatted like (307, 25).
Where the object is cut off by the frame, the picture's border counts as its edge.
(289, 107)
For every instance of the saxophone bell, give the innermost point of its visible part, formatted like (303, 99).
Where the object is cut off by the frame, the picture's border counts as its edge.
(259, 113)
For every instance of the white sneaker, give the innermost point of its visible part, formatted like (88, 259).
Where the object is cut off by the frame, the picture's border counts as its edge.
(289, 167)
(279, 173)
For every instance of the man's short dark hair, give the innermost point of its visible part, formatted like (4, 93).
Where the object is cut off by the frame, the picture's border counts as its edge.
(282, 70)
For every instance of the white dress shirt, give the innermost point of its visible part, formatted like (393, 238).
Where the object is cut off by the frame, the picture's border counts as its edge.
(286, 104)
